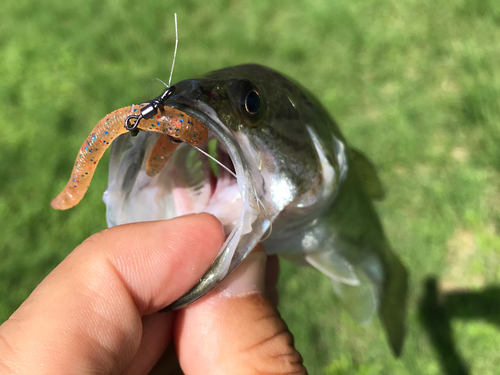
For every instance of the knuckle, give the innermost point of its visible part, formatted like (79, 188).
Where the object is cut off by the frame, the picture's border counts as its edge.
(275, 353)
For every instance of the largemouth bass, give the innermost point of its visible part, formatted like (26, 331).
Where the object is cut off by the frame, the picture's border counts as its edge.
(291, 181)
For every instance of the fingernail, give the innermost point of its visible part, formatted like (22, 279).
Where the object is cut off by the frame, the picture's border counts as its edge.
(247, 278)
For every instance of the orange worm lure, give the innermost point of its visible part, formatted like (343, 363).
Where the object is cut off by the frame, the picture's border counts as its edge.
(158, 157)
(166, 120)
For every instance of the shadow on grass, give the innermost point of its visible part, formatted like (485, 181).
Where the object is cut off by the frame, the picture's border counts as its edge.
(436, 310)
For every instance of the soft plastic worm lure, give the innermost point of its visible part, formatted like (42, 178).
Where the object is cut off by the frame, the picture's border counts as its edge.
(173, 125)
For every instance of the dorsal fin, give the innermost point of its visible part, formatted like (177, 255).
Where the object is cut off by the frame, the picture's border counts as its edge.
(368, 174)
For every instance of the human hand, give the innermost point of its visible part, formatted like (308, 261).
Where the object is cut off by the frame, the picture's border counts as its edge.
(97, 312)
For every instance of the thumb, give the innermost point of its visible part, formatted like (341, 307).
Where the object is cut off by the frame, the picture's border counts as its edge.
(95, 313)
(236, 329)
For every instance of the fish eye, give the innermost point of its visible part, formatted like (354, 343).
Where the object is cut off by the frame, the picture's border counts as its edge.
(248, 102)
(252, 102)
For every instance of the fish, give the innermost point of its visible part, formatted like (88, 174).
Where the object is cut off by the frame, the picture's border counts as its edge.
(287, 178)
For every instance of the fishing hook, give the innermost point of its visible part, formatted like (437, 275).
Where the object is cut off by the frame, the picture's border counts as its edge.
(149, 110)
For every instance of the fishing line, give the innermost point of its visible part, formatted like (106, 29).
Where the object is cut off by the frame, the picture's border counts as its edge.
(175, 54)
(162, 82)
(214, 159)
(175, 50)
(269, 230)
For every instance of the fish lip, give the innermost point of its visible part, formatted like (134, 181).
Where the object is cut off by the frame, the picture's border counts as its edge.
(219, 269)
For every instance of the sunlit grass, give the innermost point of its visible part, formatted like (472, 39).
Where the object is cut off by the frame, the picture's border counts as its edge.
(413, 84)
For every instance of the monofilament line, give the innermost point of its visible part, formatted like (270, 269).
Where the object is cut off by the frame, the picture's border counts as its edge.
(214, 159)
(175, 50)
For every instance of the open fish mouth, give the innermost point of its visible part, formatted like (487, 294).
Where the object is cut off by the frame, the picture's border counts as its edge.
(189, 183)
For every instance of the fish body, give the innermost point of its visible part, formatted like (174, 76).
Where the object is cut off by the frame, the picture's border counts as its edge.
(299, 188)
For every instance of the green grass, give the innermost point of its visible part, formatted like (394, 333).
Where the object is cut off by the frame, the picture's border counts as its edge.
(413, 84)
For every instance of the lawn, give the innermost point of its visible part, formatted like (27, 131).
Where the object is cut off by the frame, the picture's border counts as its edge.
(413, 84)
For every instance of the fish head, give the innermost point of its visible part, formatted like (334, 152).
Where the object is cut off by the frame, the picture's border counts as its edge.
(270, 132)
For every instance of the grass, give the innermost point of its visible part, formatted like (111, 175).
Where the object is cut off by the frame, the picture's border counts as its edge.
(413, 84)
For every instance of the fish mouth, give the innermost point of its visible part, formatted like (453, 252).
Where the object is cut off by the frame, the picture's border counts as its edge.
(233, 200)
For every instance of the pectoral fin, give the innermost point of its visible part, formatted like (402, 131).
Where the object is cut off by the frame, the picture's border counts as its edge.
(359, 300)
(367, 174)
(362, 297)
(334, 266)
(354, 289)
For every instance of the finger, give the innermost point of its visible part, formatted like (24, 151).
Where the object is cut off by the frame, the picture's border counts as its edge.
(86, 315)
(236, 329)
